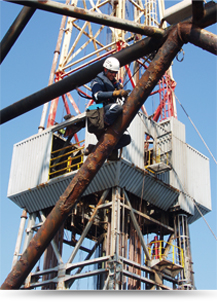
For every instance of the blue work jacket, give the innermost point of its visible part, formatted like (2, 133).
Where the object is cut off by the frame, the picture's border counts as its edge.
(102, 89)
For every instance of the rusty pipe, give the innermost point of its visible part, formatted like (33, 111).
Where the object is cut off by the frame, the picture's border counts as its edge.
(197, 10)
(15, 30)
(98, 18)
(199, 37)
(93, 163)
(125, 56)
(209, 16)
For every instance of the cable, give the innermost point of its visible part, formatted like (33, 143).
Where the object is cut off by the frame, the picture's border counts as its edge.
(196, 130)
(204, 219)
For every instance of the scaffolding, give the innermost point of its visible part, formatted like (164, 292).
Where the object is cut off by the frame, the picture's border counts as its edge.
(123, 229)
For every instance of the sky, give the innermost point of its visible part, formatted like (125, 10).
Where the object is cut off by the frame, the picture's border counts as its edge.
(26, 70)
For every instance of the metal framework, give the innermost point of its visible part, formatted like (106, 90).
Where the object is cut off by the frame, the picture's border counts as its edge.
(119, 224)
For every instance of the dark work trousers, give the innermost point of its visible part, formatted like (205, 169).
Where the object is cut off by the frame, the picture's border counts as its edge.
(112, 111)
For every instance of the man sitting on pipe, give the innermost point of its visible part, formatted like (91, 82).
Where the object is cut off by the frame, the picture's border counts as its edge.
(108, 91)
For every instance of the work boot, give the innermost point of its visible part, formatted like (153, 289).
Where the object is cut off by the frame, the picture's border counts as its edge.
(114, 155)
(89, 149)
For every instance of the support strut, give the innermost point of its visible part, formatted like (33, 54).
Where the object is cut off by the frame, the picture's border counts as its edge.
(93, 163)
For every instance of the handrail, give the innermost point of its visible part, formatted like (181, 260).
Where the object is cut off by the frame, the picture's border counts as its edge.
(159, 157)
(176, 255)
(66, 160)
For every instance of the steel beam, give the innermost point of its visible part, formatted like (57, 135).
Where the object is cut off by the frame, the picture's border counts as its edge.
(88, 226)
(197, 10)
(125, 56)
(94, 162)
(209, 15)
(136, 225)
(199, 37)
(99, 18)
(15, 30)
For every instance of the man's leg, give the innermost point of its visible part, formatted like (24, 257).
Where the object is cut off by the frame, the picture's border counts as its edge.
(124, 141)
(112, 111)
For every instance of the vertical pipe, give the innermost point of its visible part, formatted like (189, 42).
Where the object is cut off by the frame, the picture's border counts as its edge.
(15, 30)
(19, 237)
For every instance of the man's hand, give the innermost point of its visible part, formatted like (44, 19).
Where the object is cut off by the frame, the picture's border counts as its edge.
(121, 93)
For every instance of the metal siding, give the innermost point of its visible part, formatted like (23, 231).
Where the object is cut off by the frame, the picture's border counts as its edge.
(198, 173)
(190, 171)
(197, 215)
(134, 152)
(178, 177)
(131, 178)
(155, 191)
(30, 163)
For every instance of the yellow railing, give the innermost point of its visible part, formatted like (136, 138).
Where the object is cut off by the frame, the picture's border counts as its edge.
(159, 157)
(64, 160)
(164, 250)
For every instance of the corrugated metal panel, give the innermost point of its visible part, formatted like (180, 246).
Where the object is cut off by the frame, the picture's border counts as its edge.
(196, 214)
(178, 178)
(131, 178)
(134, 153)
(178, 129)
(30, 163)
(190, 171)
(198, 173)
(153, 191)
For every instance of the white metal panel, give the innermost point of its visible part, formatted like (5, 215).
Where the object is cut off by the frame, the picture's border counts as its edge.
(178, 129)
(178, 12)
(190, 171)
(30, 163)
(134, 152)
(198, 173)
(131, 178)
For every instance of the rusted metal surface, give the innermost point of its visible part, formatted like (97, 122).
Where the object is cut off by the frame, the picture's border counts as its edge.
(197, 10)
(199, 37)
(209, 15)
(15, 30)
(99, 18)
(95, 160)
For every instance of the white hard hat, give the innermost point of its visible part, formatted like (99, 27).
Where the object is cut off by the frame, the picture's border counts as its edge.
(111, 63)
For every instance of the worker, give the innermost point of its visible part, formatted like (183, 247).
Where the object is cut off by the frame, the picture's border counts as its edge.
(108, 91)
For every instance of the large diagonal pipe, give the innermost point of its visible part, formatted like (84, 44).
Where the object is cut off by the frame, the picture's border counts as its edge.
(93, 163)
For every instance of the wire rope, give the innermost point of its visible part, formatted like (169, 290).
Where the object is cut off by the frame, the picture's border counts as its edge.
(196, 130)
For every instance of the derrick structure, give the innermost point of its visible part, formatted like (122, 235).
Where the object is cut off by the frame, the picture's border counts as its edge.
(129, 227)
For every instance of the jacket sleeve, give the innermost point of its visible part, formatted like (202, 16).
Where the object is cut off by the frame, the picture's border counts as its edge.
(98, 92)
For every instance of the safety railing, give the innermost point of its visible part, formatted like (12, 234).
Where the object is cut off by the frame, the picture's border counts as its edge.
(66, 159)
(155, 157)
(159, 249)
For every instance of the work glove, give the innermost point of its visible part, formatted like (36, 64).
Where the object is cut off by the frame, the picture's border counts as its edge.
(121, 93)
